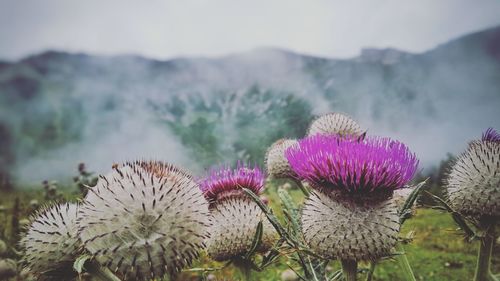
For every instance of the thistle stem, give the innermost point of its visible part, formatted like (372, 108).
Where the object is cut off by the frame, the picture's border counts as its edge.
(484, 255)
(99, 272)
(302, 187)
(349, 269)
(371, 270)
(244, 267)
(404, 264)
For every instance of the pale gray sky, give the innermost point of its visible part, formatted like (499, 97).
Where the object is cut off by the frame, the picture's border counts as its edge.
(166, 29)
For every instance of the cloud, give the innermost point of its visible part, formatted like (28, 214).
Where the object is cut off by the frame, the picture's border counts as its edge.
(165, 29)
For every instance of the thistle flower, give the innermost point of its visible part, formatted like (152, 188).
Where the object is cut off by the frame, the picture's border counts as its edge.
(276, 163)
(51, 242)
(335, 124)
(352, 165)
(473, 182)
(144, 220)
(235, 215)
(351, 215)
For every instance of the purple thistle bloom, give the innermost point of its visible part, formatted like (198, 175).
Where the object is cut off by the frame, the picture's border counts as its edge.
(226, 180)
(353, 164)
(491, 135)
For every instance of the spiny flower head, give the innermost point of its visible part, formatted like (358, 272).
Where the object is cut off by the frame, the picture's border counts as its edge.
(474, 180)
(226, 181)
(335, 124)
(235, 221)
(144, 220)
(51, 242)
(337, 225)
(276, 163)
(235, 215)
(352, 164)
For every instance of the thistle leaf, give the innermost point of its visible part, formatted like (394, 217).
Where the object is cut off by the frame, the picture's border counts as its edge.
(291, 209)
(457, 217)
(269, 258)
(271, 217)
(256, 240)
(405, 212)
(80, 262)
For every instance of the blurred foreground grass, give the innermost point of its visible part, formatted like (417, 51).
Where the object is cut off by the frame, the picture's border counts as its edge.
(438, 252)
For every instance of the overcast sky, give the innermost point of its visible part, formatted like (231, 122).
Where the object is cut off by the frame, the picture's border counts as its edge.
(165, 29)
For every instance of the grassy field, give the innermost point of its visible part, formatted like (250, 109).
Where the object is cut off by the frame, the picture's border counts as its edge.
(437, 252)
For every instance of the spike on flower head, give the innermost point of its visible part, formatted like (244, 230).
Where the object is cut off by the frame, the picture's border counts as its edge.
(335, 124)
(473, 182)
(144, 220)
(51, 242)
(352, 164)
(226, 181)
(276, 163)
(491, 135)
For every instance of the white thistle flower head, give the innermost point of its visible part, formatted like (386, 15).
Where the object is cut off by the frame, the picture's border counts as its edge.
(51, 243)
(335, 124)
(235, 215)
(276, 163)
(144, 220)
(337, 225)
(473, 182)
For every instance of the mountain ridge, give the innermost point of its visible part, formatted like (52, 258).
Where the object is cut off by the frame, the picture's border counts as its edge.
(58, 107)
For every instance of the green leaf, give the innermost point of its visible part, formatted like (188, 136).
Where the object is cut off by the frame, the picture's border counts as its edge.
(256, 240)
(291, 210)
(405, 211)
(269, 258)
(336, 275)
(457, 217)
(271, 217)
(80, 262)
(404, 264)
(298, 274)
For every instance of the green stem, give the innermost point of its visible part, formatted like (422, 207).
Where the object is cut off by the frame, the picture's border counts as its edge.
(302, 187)
(99, 272)
(369, 276)
(244, 267)
(492, 277)
(404, 264)
(349, 269)
(484, 255)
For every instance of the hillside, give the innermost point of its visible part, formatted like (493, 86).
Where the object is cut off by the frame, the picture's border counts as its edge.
(57, 109)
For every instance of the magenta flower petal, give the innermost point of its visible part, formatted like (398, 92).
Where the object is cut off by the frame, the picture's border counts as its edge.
(491, 135)
(352, 164)
(225, 179)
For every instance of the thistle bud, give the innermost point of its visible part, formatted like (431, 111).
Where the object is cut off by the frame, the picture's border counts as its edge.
(235, 215)
(144, 220)
(51, 243)
(473, 182)
(335, 124)
(8, 269)
(276, 163)
(4, 250)
(351, 213)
